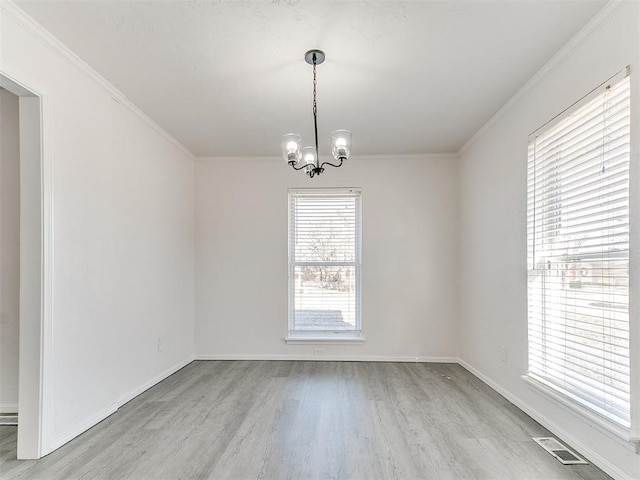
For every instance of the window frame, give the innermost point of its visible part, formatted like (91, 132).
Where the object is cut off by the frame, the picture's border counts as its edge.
(297, 335)
(577, 403)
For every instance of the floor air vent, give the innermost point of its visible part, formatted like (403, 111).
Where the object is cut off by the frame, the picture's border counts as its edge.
(8, 420)
(562, 453)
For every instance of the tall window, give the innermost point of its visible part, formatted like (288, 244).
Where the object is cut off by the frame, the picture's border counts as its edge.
(324, 262)
(578, 253)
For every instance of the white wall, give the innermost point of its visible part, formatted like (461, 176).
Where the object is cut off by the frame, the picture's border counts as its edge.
(9, 250)
(493, 285)
(409, 245)
(122, 226)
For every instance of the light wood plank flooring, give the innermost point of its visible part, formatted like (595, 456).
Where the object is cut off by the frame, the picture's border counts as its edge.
(306, 420)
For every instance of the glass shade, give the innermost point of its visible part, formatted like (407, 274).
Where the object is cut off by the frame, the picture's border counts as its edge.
(309, 156)
(291, 150)
(341, 144)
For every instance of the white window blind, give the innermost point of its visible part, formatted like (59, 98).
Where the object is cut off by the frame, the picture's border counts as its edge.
(578, 253)
(324, 261)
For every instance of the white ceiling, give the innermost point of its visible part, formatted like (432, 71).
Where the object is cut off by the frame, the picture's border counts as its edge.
(228, 78)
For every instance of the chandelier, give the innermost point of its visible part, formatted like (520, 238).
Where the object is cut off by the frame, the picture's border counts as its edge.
(307, 158)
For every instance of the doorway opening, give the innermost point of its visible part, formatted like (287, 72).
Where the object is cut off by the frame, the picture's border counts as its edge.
(24, 207)
(9, 256)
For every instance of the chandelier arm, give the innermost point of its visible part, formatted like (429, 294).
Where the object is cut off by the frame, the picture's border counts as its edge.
(293, 165)
(329, 163)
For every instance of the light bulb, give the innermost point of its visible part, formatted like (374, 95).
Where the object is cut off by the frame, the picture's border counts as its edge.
(309, 158)
(341, 141)
(290, 144)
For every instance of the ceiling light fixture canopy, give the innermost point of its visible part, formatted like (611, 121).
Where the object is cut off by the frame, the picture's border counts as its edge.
(307, 158)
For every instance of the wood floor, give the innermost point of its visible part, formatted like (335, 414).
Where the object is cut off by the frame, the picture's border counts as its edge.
(306, 420)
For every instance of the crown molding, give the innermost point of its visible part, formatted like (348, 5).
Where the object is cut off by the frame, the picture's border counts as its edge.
(21, 18)
(406, 156)
(586, 32)
(239, 158)
(382, 157)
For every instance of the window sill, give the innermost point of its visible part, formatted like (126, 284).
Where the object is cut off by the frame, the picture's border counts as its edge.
(323, 339)
(614, 431)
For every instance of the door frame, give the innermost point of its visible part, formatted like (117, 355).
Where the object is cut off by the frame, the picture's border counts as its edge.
(36, 270)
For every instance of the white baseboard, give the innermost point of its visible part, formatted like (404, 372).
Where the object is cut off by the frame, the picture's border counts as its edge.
(99, 416)
(78, 429)
(8, 407)
(154, 381)
(328, 358)
(597, 459)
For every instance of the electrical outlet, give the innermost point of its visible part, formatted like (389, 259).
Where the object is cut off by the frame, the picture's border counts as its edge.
(318, 351)
(160, 344)
(503, 353)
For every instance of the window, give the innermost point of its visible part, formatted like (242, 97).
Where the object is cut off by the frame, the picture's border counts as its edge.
(578, 253)
(324, 262)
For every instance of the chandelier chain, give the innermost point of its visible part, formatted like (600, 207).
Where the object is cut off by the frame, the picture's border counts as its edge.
(315, 82)
(315, 109)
